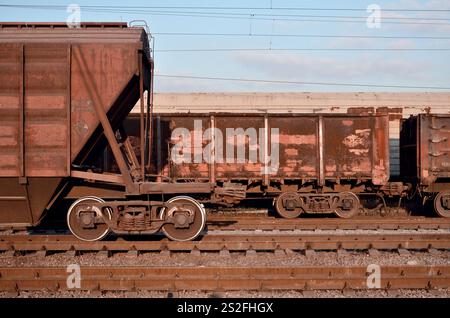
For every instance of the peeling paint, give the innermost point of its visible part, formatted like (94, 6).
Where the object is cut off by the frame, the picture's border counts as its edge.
(291, 152)
(359, 152)
(347, 122)
(298, 139)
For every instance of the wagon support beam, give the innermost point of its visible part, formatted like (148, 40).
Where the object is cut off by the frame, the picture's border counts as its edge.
(98, 104)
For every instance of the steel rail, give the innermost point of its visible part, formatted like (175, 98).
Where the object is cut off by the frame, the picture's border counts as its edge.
(270, 223)
(233, 242)
(225, 278)
(263, 222)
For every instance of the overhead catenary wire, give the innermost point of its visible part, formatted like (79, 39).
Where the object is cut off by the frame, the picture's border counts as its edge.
(305, 35)
(298, 82)
(299, 49)
(216, 15)
(232, 15)
(231, 8)
(252, 17)
(275, 15)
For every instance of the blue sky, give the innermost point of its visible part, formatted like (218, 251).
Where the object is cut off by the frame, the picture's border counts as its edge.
(410, 68)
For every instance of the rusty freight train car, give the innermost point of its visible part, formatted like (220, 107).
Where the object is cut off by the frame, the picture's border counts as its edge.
(64, 94)
(307, 163)
(425, 158)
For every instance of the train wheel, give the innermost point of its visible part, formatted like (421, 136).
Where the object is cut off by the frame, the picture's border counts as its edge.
(187, 217)
(286, 205)
(83, 220)
(442, 204)
(348, 206)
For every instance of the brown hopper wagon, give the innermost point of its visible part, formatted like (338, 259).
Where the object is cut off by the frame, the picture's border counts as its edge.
(64, 93)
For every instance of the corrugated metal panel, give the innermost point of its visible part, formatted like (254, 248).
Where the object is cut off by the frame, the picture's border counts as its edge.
(251, 167)
(46, 109)
(10, 107)
(310, 147)
(434, 148)
(298, 145)
(34, 118)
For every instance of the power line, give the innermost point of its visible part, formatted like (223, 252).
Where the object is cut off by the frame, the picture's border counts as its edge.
(242, 16)
(298, 82)
(301, 49)
(208, 14)
(251, 17)
(226, 8)
(303, 35)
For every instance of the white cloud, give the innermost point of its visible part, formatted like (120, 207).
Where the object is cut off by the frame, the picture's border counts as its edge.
(402, 44)
(360, 43)
(351, 43)
(427, 25)
(169, 84)
(299, 66)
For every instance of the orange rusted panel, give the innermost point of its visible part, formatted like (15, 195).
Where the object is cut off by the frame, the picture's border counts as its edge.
(110, 68)
(46, 87)
(356, 147)
(311, 147)
(433, 148)
(10, 104)
(298, 146)
(425, 149)
(182, 146)
(241, 147)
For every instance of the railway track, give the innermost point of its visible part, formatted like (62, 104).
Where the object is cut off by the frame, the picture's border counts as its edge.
(282, 237)
(224, 243)
(226, 223)
(251, 222)
(225, 278)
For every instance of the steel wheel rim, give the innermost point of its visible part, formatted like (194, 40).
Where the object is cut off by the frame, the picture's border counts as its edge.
(168, 229)
(282, 211)
(438, 207)
(72, 209)
(350, 213)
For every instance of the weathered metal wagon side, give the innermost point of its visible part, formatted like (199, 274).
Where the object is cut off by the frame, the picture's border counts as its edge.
(425, 157)
(53, 82)
(64, 94)
(315, 163)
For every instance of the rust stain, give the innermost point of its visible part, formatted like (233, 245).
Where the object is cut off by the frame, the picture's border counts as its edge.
(379, 173)
(359, 152)
(331, 168)
(298, 139)
(361, 110)
(291, 152)
(360, 138)
(347, 122)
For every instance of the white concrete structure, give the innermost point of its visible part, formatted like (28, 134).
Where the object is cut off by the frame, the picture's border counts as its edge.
(411, 103)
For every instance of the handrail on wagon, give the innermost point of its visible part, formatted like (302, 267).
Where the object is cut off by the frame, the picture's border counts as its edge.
(147, 111)
(146, 117)
(143, 24)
